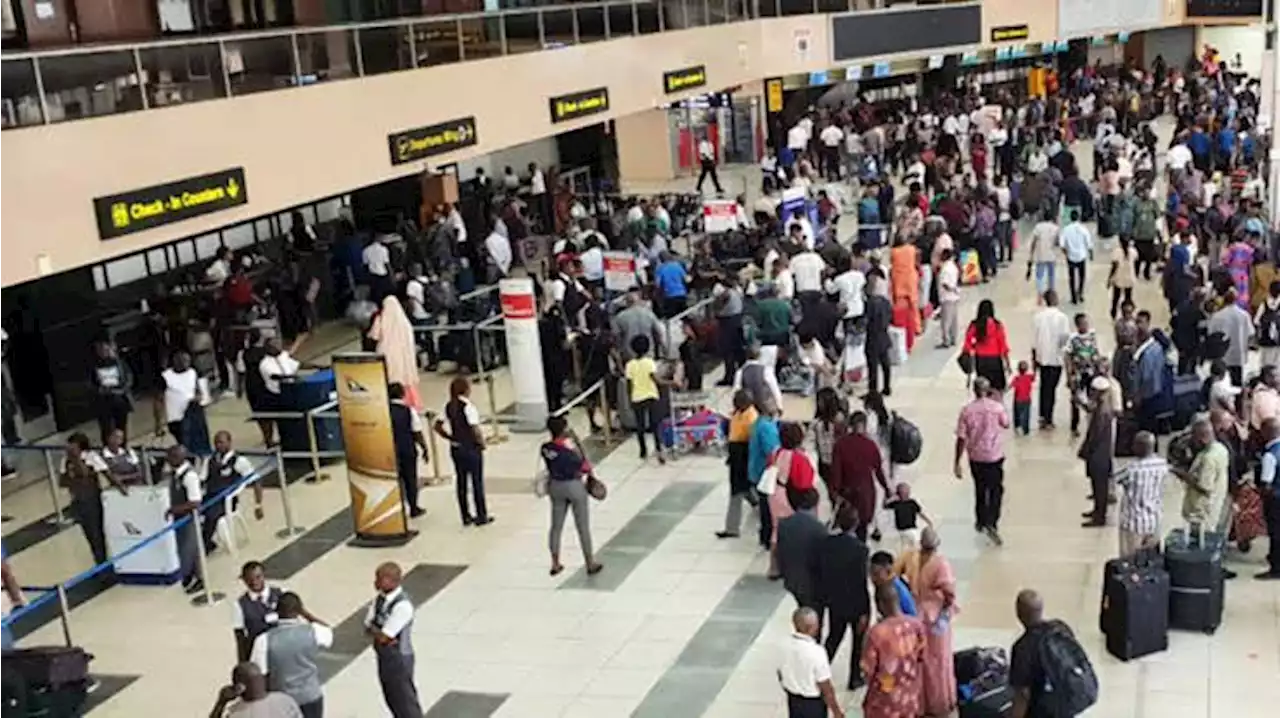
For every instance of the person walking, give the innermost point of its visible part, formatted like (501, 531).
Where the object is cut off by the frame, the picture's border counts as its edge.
(842, 589)
(740, 487)
(642, 387)
(707, 160)
(466, 448)
(1050, 330)
(987, 345)
(856, 467)
(805, 670)
(1043, 259)
(878, 317)
(980, 434)
(948, 285)
(389, 625)
(933, 585)
(289, 653)
(799, 537)
(1077, 243)
(568, 472)
(1096, 450)
(893, 660)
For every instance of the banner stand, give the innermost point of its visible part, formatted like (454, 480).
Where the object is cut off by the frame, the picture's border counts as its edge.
(364, 409)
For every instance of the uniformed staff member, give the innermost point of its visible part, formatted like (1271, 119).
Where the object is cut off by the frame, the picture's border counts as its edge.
(123, 464)
(185, 495)
(389, 624)
(289, 653)
(81, 474)
(225, 469)
(254, 612)
(406, 434)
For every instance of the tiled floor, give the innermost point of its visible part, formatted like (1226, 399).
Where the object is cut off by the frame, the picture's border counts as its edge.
(680, 624)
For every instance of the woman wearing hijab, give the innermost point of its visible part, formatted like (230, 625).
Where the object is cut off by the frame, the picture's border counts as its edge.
(933, 585)
(393, 335)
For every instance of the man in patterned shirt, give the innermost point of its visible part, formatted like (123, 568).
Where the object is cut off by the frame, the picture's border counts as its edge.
(1142, 503)
(980, 433)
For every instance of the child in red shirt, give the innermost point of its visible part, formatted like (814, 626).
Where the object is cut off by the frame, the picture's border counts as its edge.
(1022, 384)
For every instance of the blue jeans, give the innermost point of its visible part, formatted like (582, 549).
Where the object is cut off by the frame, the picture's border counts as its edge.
(1022, 417)
(1044, 276)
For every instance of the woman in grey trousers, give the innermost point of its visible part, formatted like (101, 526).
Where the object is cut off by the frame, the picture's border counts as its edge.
(567, 472)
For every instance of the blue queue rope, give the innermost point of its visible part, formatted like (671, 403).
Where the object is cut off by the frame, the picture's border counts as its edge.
(52, 592)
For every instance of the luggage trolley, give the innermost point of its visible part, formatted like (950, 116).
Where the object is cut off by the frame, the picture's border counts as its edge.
(693, 424)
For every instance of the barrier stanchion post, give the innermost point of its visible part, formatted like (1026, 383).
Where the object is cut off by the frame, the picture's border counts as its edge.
(495, 434)
(316, 474)
(58, 518)
(207, 597)
(434, 447)
(290, 529)
(604, 404)
(64, 614)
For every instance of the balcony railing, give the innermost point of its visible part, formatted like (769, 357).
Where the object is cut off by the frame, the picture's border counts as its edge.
(62, 85)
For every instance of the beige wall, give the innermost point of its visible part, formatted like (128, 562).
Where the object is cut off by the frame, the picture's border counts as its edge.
(301, 144)
(1040, 17)
(644, 148)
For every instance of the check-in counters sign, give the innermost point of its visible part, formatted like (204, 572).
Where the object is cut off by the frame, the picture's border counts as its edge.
(579, 104)
(142, 209)
(684, 79)
(1008, 33)
(434, 140)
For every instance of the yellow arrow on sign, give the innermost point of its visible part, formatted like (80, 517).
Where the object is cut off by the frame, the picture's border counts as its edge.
(233, 188)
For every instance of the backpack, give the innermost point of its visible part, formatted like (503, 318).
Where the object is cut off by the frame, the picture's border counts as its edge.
(1269, 326)
(1145, 218)
(905, 441)
(1070, 684)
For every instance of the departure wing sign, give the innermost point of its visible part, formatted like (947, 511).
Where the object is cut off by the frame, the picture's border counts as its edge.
(438, 139)
(141, 209)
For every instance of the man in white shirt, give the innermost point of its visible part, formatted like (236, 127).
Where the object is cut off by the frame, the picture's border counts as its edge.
(1077, 243)
(377, 264)
(220, 270)
(459, 227)
(707, 158)
(1178, 157)
(831, 138)
(276, 365)
(288, 654)
(1050, 330)
(948, 298)
(592, 257)
(540, 198)
(499, 249)
(806, 269)
(851, 284)
(805, 670)
(1037, 161)
(798, 138)
(389, 625)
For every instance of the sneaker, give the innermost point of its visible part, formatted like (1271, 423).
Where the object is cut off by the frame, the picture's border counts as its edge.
(726, 534)
(1267, 576)
(227, 394)
(484, 520)
(415, 512)
(994, 536)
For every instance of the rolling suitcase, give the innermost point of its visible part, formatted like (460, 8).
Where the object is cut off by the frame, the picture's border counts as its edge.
(1197, 581)
(1188, 391)
(1134, 616)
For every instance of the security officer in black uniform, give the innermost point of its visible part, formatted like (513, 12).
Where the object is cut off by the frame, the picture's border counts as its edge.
(185, 494)
(389, 624)
(225, 469)
(406, 433)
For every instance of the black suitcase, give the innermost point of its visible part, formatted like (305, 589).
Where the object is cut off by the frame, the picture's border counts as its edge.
(1134, 616)
(1126, 430)
(48, 666)
(1197, 580)
(996, 703)
(1188, 394)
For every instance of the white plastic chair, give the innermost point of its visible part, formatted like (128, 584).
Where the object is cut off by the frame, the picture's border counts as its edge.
(232, 524)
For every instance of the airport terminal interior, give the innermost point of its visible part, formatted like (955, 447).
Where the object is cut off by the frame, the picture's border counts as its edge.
(679, 622)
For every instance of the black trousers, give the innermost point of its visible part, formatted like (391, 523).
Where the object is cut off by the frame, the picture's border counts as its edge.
(840, 620)
(766, 520)
(1099, 483)
(1146, 257)
(1075, 280)
(113, 413)
(1119, 295)
(647, 423)
(709, 170)
(1272, 512)
(314, 709)
(988, 485)
(88, 513)
(733, 352)
(1188, 360)
(803, 707)
(987, 259)
(1049, 378)
(407, 469)
(395, 674)
(877, 364)
(468, 467)
(831, 163)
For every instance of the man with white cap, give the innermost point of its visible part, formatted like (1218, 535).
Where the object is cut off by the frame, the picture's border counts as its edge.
(1097, 449)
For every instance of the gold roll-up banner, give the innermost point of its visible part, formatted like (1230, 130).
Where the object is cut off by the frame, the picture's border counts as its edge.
(365, 411)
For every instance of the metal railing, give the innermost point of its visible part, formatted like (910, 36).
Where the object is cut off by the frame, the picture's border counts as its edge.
(60, 85)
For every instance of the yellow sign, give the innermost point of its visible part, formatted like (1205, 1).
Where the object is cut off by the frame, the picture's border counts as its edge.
(684, 79)
(1008, 33)
(142, 209)
(364, 409)
(433, 140)
(579, 104)
(773, 94)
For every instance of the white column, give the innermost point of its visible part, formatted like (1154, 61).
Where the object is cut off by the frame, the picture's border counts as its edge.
(524, 352)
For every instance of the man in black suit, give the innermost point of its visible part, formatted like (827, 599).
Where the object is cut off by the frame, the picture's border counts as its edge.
(799, 536)
(842, 588)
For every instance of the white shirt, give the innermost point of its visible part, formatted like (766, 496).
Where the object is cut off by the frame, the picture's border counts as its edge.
(459, 227)
(1178, 157)
(377, 259)
(279, 365)
(1050, 329)
(258, 654)
(807, 268)
(784, 285)
(537, 183)
(1037, 162)
(469, 412)
(706, 150)
(1076, 241)
(804, 665)
(635, 214)
(831, 136)
(851, 285)
(179, 390)
(999, 136)
(592, 264)
(90, 459)
(797, 138)
(500, 251)
(218, 271)
(951, 125)
(1004, 198)
(914, 173)
(415, 419)
(949, 281)
(237, 613)
(416, 291)
(191, 481)
(400, 616)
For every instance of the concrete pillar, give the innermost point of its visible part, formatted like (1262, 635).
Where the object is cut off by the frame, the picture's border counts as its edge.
(644, 149)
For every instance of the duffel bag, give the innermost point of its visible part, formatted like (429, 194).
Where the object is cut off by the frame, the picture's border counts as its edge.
(49, 666)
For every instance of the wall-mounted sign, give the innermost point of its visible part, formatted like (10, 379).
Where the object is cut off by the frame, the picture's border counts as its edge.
(579, 104)
(1009, 33)
(434, 140)
(141, 209)
(936, 61)
(773, 94)
(882, 69)
(684, 79)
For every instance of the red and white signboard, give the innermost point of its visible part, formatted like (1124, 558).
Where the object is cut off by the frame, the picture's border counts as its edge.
(524, 347)
(619, 271)
(719, 215)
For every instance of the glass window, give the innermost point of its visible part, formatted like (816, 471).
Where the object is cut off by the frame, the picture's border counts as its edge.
(90, 85)
(186, 253)
(178, 74)
(590, 24)
(99, 278)
(328, 209)
(262, 228)
(308, 214)
(158, 261)
(481, 37)
(260, 65)
(622, 20)
(523, 34)
(208, 246)
(284, 221)
(385, 49)
(436, 43)
(20, 95)
(325, 56)
(557, 28)
(647, 15)
(126, 269)
(239, 236)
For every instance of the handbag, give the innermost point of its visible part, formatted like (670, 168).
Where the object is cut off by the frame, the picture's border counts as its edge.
(775, 474)
(541, 484)
(965, 360)
(596, 489)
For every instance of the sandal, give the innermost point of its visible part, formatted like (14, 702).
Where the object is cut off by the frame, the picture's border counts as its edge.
(557, 569)
(594, 568)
